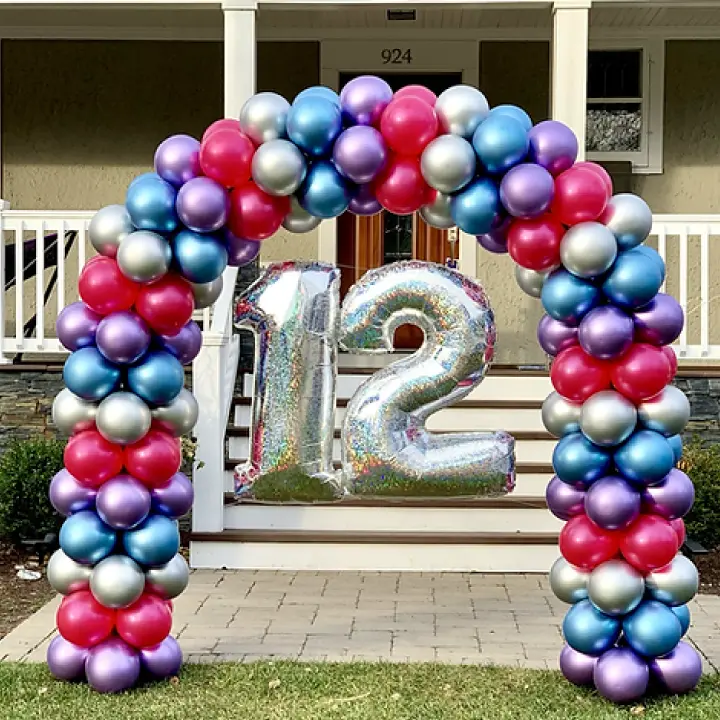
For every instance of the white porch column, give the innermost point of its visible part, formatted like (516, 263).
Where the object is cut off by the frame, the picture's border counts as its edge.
(240, 53)
(571, 20)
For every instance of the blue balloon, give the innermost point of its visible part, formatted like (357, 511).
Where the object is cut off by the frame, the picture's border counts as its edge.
(645, 458)
(578, 462)
(682, 613)
(500, 142)
(653, 256)
(589, 631)
(89, 375)
(324, 193)
(313, 124)
(158, 378)
(514, 111)
(200, 258)
(150, 202)
(634, 279)
(653, 629)
(475, 208)
(85, 538)
(154, 542)
(676, 443)
(142, 178)
(319, 91)
(568, 298)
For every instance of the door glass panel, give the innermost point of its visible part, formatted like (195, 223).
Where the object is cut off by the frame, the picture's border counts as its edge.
(397, 237)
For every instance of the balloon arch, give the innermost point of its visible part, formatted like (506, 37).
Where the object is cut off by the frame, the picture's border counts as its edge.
(490, 172)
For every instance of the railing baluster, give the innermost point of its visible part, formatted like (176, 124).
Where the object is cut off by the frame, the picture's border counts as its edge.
(19, 284)
(60, 284)
(662, 250)
(683, 272)
(82, 241)
(3, 281)
(705, 291)
(40, 284)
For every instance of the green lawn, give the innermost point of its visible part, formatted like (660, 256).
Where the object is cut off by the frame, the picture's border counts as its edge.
(287, 691)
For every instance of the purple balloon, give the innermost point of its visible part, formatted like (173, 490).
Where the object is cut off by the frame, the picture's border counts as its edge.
(495, 241)
(76, 326)
(553, 145)
(177, 159)
(123, 502)
(241, 251)
(123, 337)
(163, 660)
(65, 660)
(621, 676)
(202, 205)
(363, 100)
(611, 503)
(679, 671)
(555, 336)
(527, 190)
(68, 496)
(606, 332)
(563, 500)
(577, 667)
(360, 154)
(364, 202)
(671, 498)
(112, 666)
(660, 322)
(175, 499)
(186, 345)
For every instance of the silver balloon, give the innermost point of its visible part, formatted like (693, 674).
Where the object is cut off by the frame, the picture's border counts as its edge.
(71, 414)
(675, 584)
(629, 218)
(448, 163)
(264, 116)
(144, 256)
(615, 587)
(169, 580)
(299, 220)
(123, 418)
(560, 417)
(531, 281)
(65, 575)
(278, 167)
(386, 448)
(205, 294)
(108, 228)
(460, 109)
(437, 213)
(667, 413)
(588, 249)
(568, 583)
(608, 418)
(179, 417)
(117, 582)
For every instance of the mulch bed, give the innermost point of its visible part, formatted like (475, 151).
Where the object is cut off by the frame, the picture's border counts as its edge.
(709, 568)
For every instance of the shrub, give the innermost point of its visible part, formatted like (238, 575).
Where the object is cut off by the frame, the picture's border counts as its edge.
(26, 468)
(702, 464)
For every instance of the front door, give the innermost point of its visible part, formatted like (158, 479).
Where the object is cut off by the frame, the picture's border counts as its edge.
(364, 243)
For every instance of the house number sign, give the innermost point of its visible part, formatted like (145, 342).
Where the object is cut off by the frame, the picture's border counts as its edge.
(396, 56)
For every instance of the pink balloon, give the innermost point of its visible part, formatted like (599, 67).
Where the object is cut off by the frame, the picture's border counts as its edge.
(255, 215)
(146, 623)
(166, 305)
(417, 91)
(224, 124)
(581, 195)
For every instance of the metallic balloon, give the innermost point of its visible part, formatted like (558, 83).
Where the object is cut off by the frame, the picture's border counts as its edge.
(568, 583)
(615, 587)
(621, 676)
(364, 201)
(65, 660)
(117, 582)
(177, 159)
(555, 336)
(579, 462)
(112, 666)
(68, 496)
(612, 504)
(384, 440)
(560, 417)
(526, 190)
(71, 414)
(563, 500)
(514, 112)
(179, 417)
(553, 145)
(157, 379)
(320, 90)
(364, 99)
(123, 418)
(123, 337)
(682, 613)
(313, 124)
(645, 459)
(108, 228)
(606, 332)
(577, 667)
(448, 163)
(85, 538)
(144, 256)
(154, 542)
(169, 580)
(89, 375)
(150, 202)
(588, 249)
(633, 281)
(495, 241)
(203, 205)
(437, 212)
(186, 345)
(608, 418)
(476, 208)
(675, 584)
(205, 294)
(360, 154)
(500, 143)
(460, 109)
(163, 660)
(568, 298)
(299, 220)
(264, 116)
(77, 325)
(530, 281)
(667, 413)
(676, 445)
(123, 502)
(679, 671)
(588, 630)
(200, 258)
(671, 498)
(652, 630)
(324, 193)
(174, 499)
(660, 322)
(278, 167)
(629, 219)
(241, 251)
(65, 575)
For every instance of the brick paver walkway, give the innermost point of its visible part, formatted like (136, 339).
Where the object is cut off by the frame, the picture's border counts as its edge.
(458, 618)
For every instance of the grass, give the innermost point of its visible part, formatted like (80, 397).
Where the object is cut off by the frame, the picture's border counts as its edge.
(289, 691)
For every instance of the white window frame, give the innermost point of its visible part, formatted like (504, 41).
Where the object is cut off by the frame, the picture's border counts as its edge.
(648, 160)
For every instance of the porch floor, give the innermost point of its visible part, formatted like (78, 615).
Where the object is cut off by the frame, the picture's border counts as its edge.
(245, 616)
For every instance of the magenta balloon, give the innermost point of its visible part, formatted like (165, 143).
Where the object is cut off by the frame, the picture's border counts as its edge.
(174, 499)
(112, 666)
(679, 671)
(123, 502)
(163, 660)
(671, 498)
(202, 205)
(563, 500)
(76, 326)
(360, 154)
(553, 145)
(65, 660)
(606, 332)
(660, 322)
(123, 337)
(554, 336)
(364, 99)
(177, 159)
(611, 503)
(577, 667)
(186, 345)
(241, 251)
(364, 202)
(527, 190)
(68, 496)
(621, 676)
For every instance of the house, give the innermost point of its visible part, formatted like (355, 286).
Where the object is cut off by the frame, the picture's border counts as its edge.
(88, 89)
